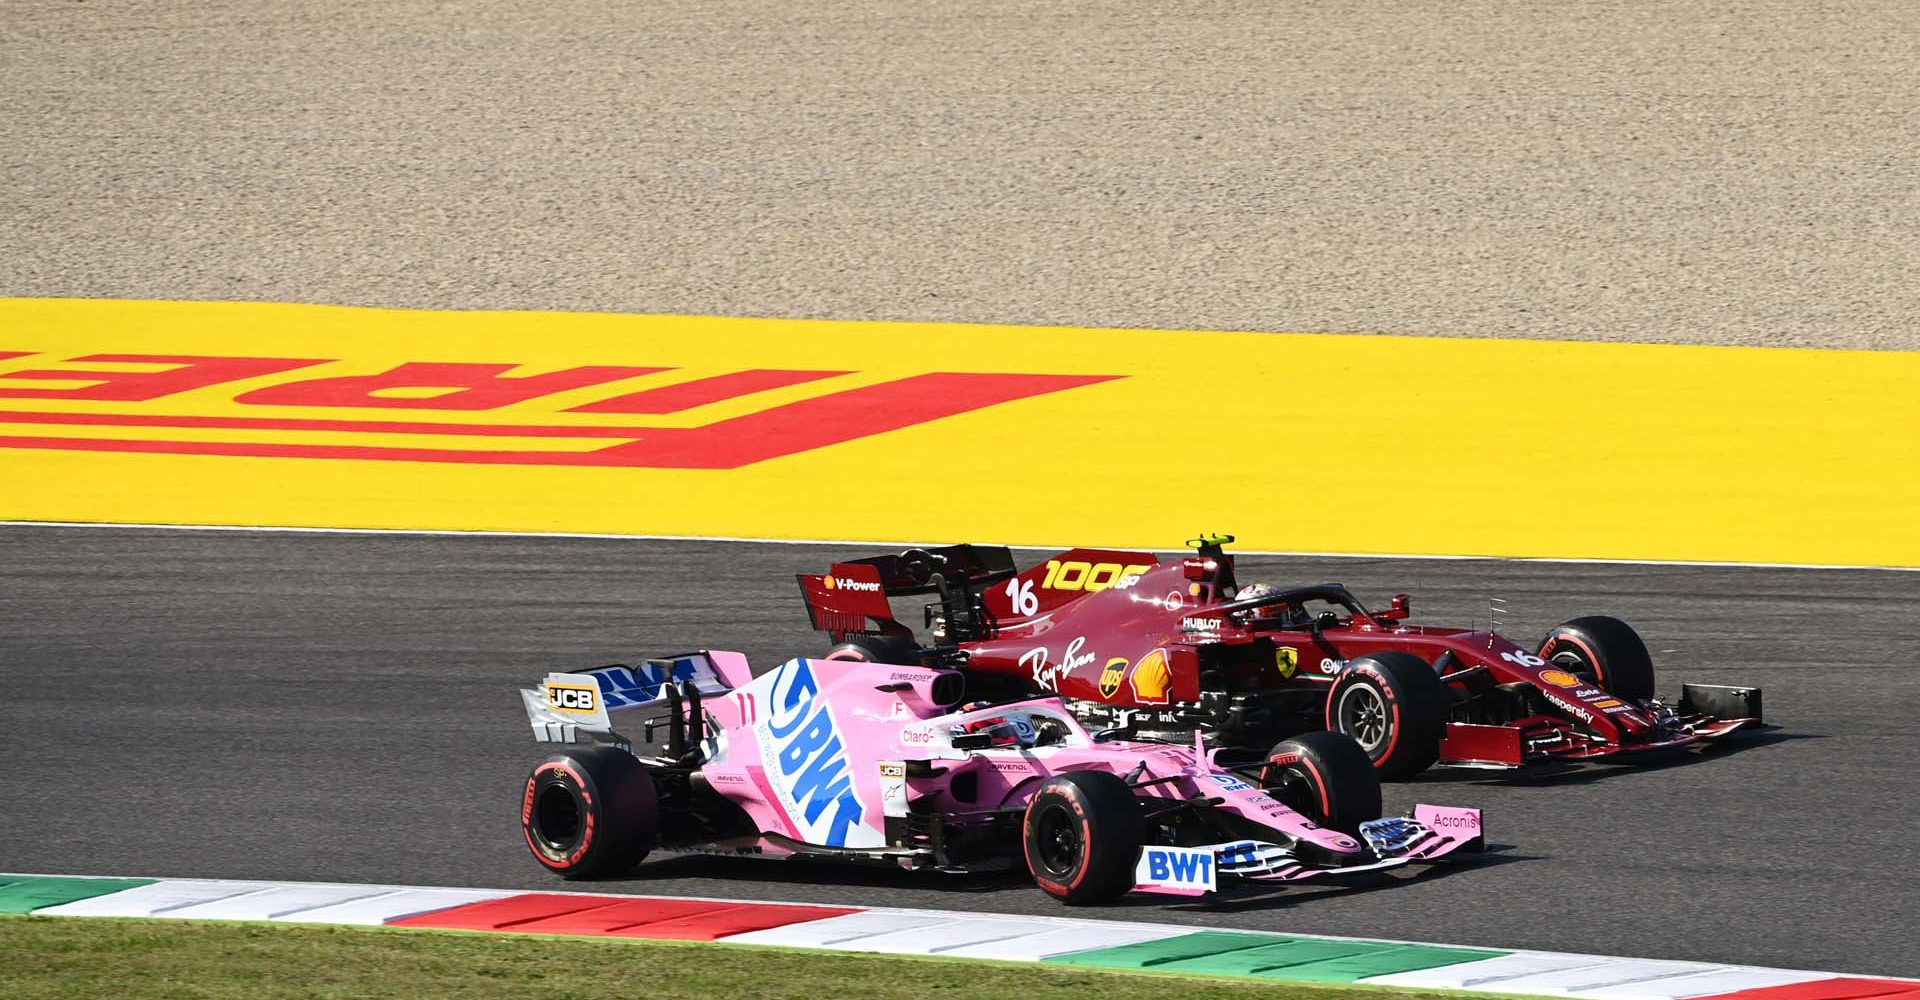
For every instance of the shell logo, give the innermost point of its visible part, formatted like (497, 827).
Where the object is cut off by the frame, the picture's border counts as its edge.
(1560, 678)
(830, 584)
(1152, 678)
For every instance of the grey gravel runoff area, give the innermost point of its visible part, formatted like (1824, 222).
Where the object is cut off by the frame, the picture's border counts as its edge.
(1690, 171)
(341, 707)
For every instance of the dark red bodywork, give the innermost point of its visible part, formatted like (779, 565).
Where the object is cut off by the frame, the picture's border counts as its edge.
(1154, 646)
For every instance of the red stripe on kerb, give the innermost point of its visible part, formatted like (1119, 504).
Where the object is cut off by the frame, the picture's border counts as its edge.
(620, 916)
(1837, 988)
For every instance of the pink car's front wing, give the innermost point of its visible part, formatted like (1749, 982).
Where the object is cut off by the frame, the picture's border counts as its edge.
(1430, 833)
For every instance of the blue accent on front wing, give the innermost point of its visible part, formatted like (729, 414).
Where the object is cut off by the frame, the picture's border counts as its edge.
(1392, 835)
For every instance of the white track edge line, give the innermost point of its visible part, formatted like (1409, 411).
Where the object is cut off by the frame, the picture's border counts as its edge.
(616, 536)
(963, 915)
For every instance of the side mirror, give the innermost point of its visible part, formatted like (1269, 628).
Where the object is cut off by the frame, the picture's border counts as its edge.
(1398, 609)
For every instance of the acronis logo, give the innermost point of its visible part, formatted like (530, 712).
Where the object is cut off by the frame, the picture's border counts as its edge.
(806, 761)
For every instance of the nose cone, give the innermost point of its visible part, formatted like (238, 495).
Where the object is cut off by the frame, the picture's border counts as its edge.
(1332, 840)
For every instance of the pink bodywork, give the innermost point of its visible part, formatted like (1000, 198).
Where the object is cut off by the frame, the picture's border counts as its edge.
(818, 752)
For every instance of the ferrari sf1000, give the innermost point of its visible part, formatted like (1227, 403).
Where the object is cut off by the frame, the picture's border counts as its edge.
(1158, 649)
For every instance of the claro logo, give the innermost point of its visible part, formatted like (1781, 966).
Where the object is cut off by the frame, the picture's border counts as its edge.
(496, 413)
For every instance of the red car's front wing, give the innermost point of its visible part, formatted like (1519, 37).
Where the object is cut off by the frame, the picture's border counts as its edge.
(1547, 738)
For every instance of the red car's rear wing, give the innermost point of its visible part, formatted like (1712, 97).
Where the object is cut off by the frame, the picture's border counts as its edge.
(851, 597)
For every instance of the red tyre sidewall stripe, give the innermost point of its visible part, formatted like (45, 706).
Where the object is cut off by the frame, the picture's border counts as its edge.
(1386, 694)
(1319, 785)
(586, 798)
(1086, 841)
(1593, 658)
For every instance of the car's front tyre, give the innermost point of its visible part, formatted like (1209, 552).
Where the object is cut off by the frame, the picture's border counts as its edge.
(1395, 707)
(1603, 651)
(1326, 777)
(1082, 834)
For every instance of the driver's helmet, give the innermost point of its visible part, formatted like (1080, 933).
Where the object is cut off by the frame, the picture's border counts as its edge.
(1005, 731)
(1257, 590)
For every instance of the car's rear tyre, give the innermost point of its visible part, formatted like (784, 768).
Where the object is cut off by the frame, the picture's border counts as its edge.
(1603, 651)
(1082, 834)
(1395, 707)
(1325, 776)
(589, 812)
(878, 649)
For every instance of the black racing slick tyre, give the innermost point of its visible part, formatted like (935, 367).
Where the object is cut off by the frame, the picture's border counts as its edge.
(1603, 651)
(877, 649)
(1395, 707)
(1082, 833)
(1325, 776)
(589, 812)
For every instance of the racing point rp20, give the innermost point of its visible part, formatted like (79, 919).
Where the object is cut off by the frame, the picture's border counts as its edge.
(873, 763)
(1155, 650)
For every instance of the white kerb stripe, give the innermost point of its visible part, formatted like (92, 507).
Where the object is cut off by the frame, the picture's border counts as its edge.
(274, 903)
(395, 904)
(1722, 979)
(1605, 978)
(842, 932)
(1060, 939)
(157, 900)
(944, 936)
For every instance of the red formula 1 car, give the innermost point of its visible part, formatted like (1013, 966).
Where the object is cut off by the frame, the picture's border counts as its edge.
(1158, 649)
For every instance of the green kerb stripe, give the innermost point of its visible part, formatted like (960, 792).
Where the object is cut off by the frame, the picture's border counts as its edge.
(27, 893)
(1276, 956)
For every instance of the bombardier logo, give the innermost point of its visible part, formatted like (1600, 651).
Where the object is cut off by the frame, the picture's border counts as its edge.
(502, 413)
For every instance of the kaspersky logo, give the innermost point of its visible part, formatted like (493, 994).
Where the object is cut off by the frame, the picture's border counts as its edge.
(622, 416)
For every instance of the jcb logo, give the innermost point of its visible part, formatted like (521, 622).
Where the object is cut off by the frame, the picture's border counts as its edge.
(1090, 577)
(572, 699)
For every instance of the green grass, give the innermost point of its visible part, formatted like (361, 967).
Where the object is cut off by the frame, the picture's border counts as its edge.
(79, 959)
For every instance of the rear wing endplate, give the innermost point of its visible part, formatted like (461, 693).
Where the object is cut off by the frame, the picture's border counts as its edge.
(572, 707)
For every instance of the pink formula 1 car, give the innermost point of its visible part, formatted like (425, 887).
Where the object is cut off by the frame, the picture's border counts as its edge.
(871, 762)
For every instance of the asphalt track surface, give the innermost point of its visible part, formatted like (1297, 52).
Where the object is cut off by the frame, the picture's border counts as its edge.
(342, 707)
(1693, 171)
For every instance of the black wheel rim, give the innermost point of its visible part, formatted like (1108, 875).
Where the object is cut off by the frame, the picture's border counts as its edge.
(556, 817)
(1292, 786)
(1362, 714)
(1056, 839)
(1578, 666)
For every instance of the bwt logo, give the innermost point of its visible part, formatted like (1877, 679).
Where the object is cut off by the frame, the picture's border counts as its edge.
(1176, 868)
(806, 761)
(311, 402)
